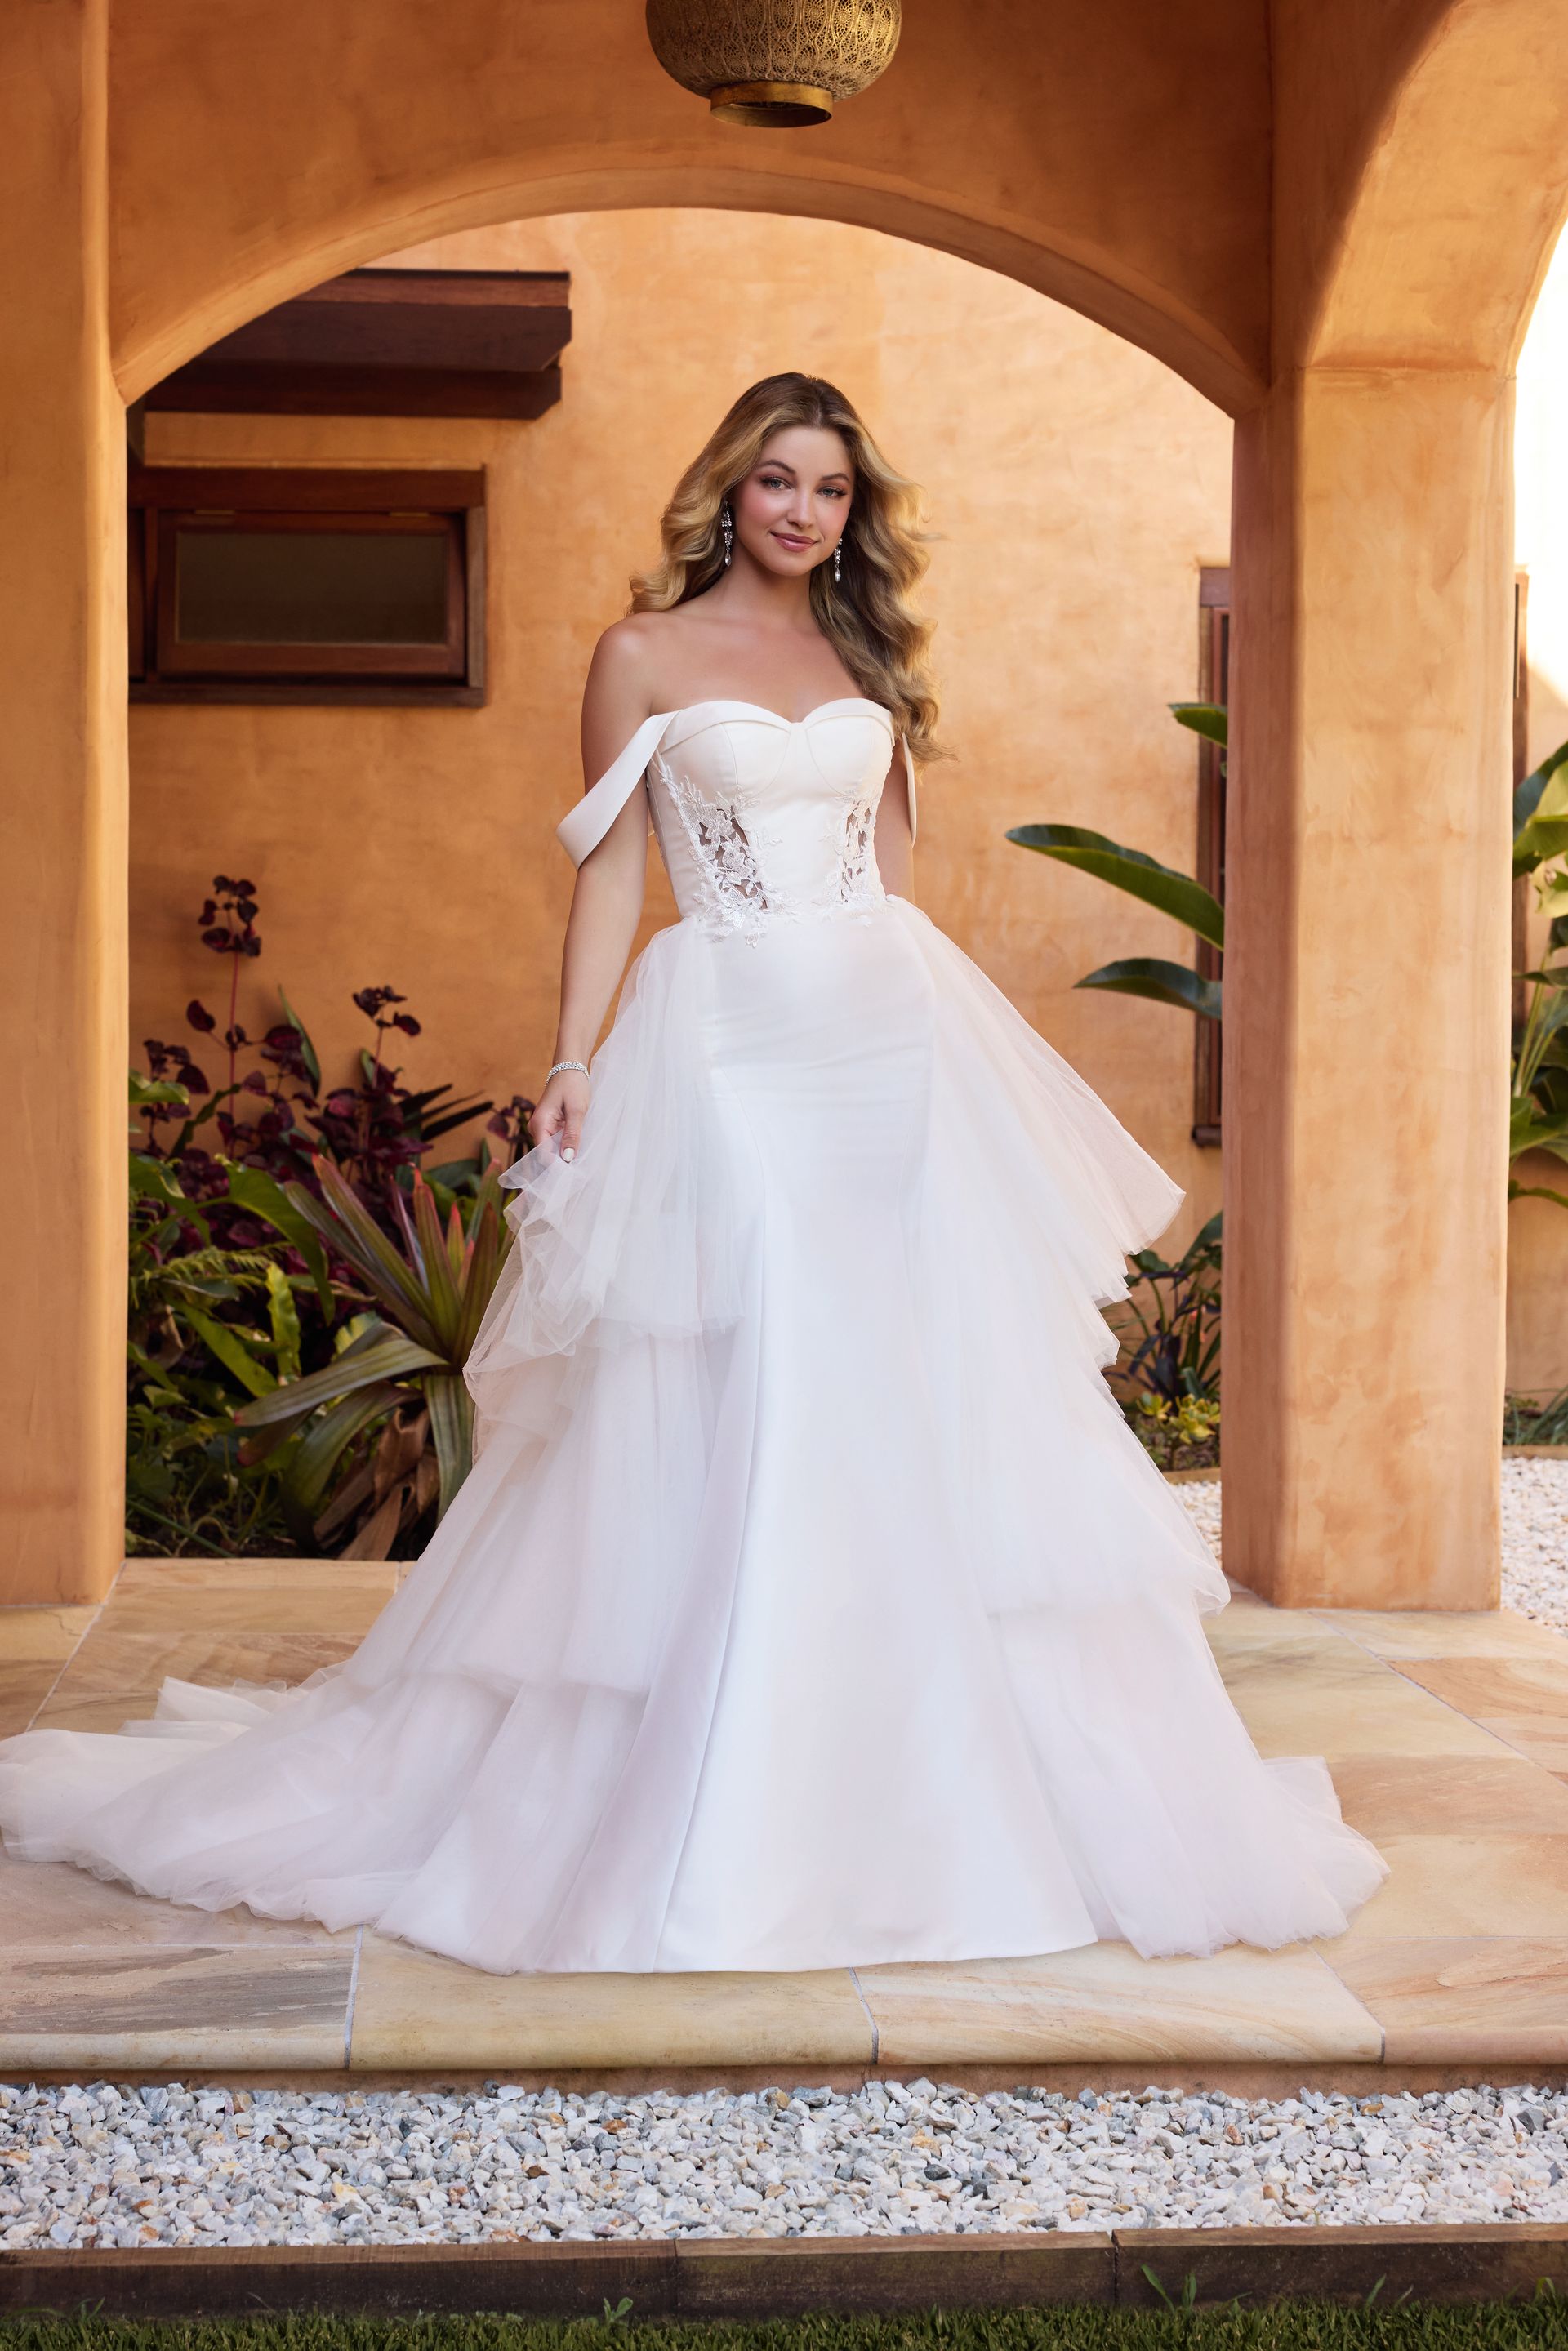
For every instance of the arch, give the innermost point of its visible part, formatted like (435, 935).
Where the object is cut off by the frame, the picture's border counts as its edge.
(1444, 242)
(1121, 170)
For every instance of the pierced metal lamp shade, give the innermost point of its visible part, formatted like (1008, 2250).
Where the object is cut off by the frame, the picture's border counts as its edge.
(776, 63)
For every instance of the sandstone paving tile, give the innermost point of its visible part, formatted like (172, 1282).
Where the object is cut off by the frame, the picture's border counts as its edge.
(1524, 1700)
(22, 1690)
(1463, 1884)
(1304, 1670)
(50, 1905)
(251, 1596)
(44, 1634)
(1102, 2002)
(1417, 1795)
(1464, 2000)
(413, 2009)
(1291, 1632)
(1448, 1632)
(115, 1677)
(171, 2006)
(1393, 1717)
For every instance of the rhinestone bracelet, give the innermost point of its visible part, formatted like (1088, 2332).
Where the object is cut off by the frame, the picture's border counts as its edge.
(567, 1065)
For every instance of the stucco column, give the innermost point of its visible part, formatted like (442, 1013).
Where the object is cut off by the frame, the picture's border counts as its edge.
(1366, 990)
(62, 817)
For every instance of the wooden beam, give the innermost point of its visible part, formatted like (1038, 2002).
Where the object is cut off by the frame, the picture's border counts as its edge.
(391, 342)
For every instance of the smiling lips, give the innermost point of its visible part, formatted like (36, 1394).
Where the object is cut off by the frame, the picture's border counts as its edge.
(785, 539)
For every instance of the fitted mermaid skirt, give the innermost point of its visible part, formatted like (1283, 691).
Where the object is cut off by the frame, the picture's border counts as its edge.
(809, 1603)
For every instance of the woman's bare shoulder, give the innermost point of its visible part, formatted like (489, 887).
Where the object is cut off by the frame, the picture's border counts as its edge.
(632, 658)
(629, 645)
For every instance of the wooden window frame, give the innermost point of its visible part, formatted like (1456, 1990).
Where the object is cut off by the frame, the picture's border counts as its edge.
(1213, 685)
(167, 499)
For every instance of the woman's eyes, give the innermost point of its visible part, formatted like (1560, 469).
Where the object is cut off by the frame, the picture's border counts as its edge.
(777, 482)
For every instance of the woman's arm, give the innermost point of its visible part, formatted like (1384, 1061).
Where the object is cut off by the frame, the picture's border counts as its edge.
(607, 903)
(895, 840)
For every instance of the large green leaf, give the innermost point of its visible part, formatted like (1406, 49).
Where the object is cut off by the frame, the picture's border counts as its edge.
(484, 1247)
(162, 1092)
(1210, 719)
(1160, 982)
(323, 1443)
(260, 1194)
(1140, 876)
(284, 1317)
(307, 1052)
(1529, 791)
(440, 1279)
(452, 1427)
(231, 1351)
(154, 1179)
(343, 1221)
(1541, 813)
(1528, 1130)
(358, 1367)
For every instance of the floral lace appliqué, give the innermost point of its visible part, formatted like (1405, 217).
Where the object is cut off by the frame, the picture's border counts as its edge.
(853, 881)
(723, 851)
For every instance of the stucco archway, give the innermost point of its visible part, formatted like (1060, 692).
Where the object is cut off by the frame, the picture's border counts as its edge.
(1439, 252)
(320, 139)
(1237, 187)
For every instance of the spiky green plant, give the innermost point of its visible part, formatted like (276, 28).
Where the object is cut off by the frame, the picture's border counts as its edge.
(402, 1367)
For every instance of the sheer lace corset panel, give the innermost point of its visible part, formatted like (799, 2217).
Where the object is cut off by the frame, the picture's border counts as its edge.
(761, 819)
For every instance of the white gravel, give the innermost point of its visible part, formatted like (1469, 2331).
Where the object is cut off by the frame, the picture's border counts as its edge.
(1534, 1534)
(118, 2166)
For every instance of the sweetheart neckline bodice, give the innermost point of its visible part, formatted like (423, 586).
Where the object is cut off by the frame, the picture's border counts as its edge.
(582, 829)
(762, 710)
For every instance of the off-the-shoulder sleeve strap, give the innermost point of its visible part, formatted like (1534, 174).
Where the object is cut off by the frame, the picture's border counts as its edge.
(909, 780)
(585, 826)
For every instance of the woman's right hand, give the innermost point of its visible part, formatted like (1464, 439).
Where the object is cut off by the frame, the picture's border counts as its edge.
(559, 1113)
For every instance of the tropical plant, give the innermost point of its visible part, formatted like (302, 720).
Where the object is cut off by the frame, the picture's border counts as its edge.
(1141, 876)
(386, 1429)
(186, 1487)
(1166, 1378)
(258, 1206)
(1535, 1420)
(1169, 1321)
(1538, 1079)
(274, 1116)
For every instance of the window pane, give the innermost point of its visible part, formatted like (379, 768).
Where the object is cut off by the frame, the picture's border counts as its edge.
(310, 588)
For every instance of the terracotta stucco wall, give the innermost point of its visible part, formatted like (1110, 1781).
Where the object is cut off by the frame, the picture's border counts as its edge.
(1119, 160)
(1077, 486)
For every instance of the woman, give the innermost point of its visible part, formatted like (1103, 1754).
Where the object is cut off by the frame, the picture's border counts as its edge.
(810, 1602)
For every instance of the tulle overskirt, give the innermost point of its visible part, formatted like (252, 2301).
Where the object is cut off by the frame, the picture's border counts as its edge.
(809, 1603)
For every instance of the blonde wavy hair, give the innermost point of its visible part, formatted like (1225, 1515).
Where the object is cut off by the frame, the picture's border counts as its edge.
(867, 615)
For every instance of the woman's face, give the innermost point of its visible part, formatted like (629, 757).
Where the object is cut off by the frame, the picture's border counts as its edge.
(789, 510)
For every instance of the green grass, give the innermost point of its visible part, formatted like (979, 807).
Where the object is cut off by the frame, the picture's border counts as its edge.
(1537, 2325)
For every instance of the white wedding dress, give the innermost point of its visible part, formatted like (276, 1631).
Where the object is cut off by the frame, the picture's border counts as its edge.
(809, 1603)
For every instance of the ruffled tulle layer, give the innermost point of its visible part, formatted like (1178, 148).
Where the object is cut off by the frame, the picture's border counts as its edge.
(809, 1603)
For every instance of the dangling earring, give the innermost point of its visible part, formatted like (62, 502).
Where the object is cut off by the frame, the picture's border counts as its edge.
(728, 529)
(838, 561)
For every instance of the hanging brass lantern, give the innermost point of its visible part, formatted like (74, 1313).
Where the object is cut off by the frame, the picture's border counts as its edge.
(776, 63)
